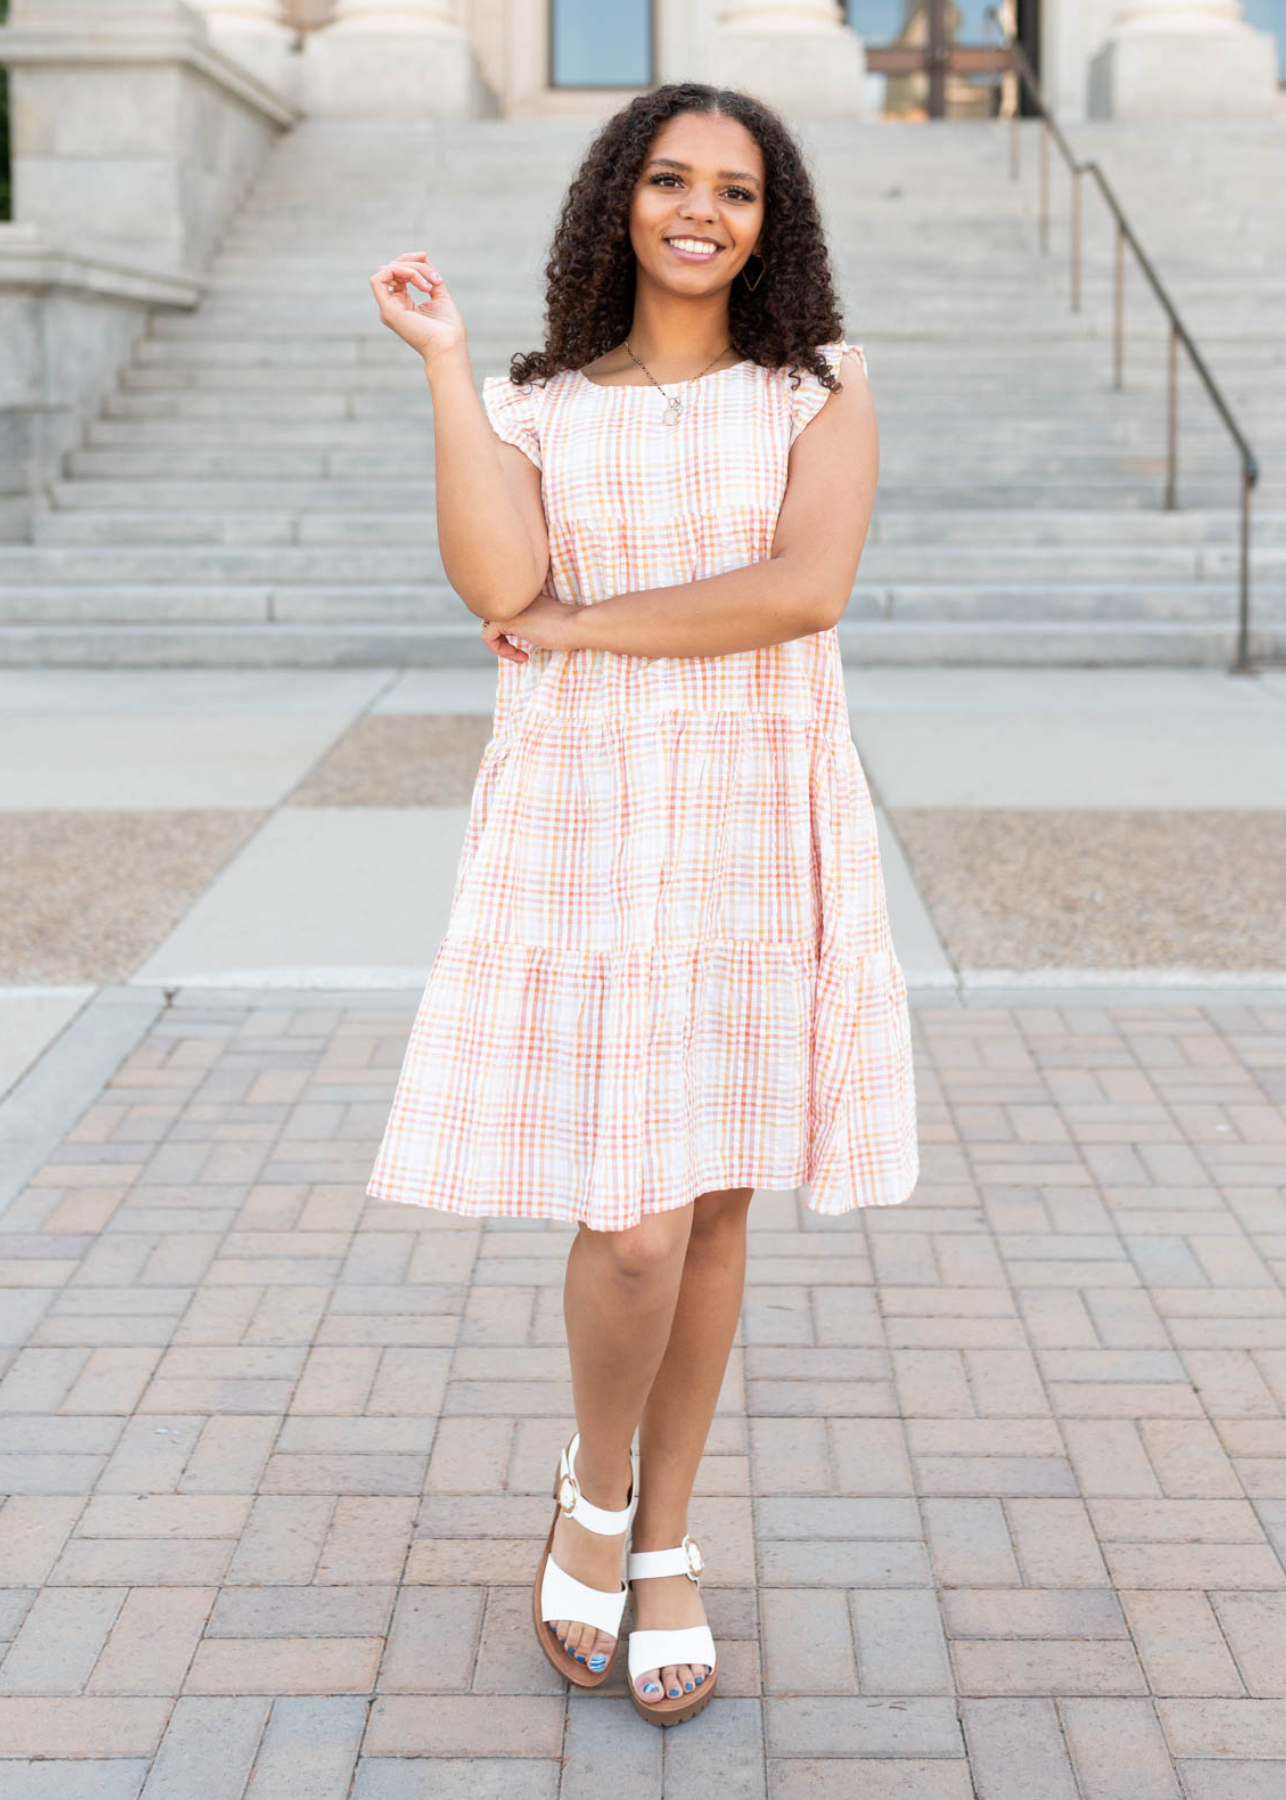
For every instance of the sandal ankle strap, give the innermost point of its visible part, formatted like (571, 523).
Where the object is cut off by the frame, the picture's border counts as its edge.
(606, 1521)
(682, 1559)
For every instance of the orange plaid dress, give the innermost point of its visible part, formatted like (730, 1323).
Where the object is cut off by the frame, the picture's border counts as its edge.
(667, 968)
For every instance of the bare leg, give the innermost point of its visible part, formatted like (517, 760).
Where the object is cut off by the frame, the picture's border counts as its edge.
(676, 1418)
(619, 1297)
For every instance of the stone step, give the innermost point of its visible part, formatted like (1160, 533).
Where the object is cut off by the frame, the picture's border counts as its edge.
(900, 494)
(1065, 534)
(237, 498)
(1000, 431)
(868, 643)
(990, 461)
(951, 599)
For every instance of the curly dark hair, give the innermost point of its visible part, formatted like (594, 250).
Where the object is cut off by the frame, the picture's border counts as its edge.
(591, 271)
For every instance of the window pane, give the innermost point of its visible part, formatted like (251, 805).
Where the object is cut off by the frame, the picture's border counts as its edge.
(882, 21)
(1269, 15)
(601, 46)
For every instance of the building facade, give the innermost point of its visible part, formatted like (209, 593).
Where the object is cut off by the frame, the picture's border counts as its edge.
(855, 58)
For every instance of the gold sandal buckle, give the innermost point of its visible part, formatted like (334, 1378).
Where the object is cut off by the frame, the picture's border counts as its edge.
(696, 1562)
(568, 1506)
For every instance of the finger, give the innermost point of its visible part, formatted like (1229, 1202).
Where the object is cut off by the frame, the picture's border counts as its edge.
(405, 273)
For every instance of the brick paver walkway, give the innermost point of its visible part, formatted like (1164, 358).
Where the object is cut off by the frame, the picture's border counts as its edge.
(994, 1502)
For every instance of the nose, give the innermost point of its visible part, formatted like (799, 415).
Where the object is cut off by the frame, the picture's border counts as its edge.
(699, 205)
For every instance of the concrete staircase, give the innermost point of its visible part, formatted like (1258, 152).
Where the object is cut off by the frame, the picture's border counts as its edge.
(259, 488)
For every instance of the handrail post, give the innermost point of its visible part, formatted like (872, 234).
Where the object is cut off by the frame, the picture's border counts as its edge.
(1044, 186)
(1172, 431)
(1242, 665)
(1118, 324)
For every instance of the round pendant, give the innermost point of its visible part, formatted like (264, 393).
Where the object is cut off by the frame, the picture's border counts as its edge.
(671, 413)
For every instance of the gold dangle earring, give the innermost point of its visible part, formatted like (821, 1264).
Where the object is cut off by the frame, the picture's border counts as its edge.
(752, 285)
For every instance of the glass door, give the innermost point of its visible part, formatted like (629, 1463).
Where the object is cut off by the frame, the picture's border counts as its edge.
(931, 59)
(597, 45)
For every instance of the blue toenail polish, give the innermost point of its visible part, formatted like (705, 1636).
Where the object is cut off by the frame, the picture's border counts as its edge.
(580, 1656)
(598, 1662)
(687, 1687)
(674, 1692)
(651, 1687)
(700, 1679)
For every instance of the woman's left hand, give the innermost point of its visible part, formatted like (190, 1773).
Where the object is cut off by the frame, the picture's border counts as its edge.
(547, 623)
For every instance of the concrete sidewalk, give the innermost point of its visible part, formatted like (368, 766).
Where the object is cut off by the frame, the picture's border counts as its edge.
(1095, 830)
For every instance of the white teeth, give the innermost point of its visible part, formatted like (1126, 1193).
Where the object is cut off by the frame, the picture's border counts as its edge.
(696, 245)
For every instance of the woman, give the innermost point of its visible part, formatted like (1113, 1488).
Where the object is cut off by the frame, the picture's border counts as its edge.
(667, 977)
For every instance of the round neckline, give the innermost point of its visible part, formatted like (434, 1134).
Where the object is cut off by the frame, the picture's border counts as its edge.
(640, 387)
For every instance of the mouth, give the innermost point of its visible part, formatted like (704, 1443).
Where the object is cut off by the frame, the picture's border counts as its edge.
(694, 249)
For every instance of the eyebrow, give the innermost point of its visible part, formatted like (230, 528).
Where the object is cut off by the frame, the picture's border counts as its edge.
(671, 162)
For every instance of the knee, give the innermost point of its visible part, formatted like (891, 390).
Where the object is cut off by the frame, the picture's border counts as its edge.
(643, 1255)
(722, 1216)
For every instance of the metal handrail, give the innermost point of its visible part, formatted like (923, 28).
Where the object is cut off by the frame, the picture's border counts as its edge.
(1178, 332)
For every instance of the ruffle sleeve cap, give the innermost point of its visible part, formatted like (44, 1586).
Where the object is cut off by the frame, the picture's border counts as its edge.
(808, 399)
(512, 413)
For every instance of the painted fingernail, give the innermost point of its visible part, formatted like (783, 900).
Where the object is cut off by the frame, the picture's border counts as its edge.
(598, 1662)
(651, 1687)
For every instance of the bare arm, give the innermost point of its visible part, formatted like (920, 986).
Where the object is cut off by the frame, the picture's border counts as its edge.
(492, 536)
(491, 522)
(804, 584)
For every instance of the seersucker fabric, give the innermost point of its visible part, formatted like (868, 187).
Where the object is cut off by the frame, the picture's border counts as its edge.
(667, 968)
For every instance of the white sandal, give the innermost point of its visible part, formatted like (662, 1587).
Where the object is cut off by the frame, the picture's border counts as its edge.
(692, 1644)
(557, 1595)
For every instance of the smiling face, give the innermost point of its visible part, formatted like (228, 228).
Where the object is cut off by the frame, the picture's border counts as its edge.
(698, 205)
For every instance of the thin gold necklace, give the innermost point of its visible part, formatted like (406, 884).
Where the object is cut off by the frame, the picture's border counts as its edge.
(674, 406)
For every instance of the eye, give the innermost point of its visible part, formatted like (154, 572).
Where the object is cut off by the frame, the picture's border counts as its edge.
(665, 175)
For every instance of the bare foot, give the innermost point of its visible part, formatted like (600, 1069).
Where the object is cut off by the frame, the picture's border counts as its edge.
(667, 1603)
(592, 1558)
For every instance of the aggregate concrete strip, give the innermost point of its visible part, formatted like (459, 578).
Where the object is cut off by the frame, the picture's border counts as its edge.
(46, 1103)
(85, 896)
(399, 759)
(1102, 890)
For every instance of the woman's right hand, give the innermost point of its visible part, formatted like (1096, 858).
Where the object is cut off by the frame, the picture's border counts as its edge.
(435, 325)
(495, 636)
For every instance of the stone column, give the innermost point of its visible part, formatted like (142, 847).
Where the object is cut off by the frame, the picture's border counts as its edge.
(393, 59)
(799, 55)
(257, 33)
(1183, 58)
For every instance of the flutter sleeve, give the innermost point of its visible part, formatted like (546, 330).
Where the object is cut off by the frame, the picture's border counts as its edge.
(808, 399)
(512, 413)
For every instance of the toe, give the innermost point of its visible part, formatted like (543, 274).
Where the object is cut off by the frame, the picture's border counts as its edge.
(600, 1652)
(687, 1678)
(670, 1680)
(578, 1638)
(648, 1685)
